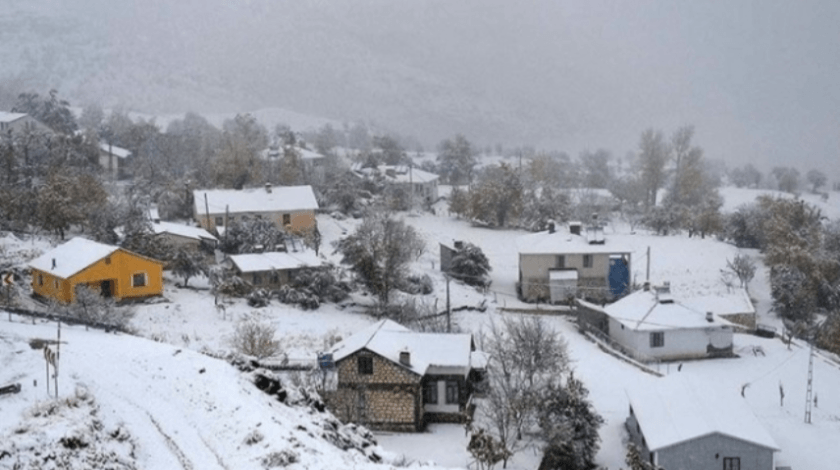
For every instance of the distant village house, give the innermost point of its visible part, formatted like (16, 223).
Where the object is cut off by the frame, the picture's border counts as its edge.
(114, 160)
(271, 269)
(419, 184)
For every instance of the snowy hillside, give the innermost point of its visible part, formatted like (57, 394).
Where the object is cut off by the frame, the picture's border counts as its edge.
(151, 405)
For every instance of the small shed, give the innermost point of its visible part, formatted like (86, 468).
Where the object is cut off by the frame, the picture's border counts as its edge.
(272, 269)
(680, 424)
(563, 284)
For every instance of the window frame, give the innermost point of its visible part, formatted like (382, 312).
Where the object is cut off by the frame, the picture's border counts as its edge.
(453, 396)
(430, 393)
(364, 365)
(134, 279)
(287, 219)
(732, 463)
(560, 261)
(657, 339)
(219, 221)
(256, 279)
(40, 279)
(587, 261)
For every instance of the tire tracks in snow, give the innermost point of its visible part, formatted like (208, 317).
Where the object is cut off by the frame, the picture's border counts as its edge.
(173, 446)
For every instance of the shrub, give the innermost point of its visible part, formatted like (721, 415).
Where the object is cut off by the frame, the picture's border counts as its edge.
(255, 338)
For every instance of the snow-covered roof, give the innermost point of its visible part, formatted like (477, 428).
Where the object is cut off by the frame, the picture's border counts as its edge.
(734, 302)
(652, 310)
(396, 173)
(277, 154)
(186, 231)
(388, 338)
(115, 151)
(275, 261)
(677, 409)
(280, 199)
(562, 242)
(72, 257)
(6, 116)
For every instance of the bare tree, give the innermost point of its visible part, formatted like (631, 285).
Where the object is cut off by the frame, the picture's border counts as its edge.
(653, 156)
(526, 357)
(255, 338)
(744, 267)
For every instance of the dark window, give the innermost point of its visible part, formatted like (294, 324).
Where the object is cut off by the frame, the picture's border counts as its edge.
(220, 222)
(451, 392)
(431, 393)
(275, 277)
(365, 365)
(40, 279)
(657, 339)
(561, 262)
(107, 260)
(587, 261)
(732, 463)
(138, 280)
(287, 219)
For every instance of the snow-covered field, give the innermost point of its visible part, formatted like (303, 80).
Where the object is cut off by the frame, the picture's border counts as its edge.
(140, 385)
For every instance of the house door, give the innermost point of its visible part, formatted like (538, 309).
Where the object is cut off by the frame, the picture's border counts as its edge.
(619, 277)
(107, 288)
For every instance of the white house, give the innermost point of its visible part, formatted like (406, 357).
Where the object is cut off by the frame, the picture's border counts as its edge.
(679, 424)
(114, 160)
(288, 207)
(652, 324)
(422, 185)
(19, 122)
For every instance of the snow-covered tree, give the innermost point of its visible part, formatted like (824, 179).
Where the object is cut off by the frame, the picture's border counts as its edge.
(457, 160)
(379, 252)
(654, 154)
(470, 265)
(497, 197)
(569, 425)
(188, 263)
(817, 179)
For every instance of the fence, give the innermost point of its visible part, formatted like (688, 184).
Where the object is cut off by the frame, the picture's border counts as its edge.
(641, 359)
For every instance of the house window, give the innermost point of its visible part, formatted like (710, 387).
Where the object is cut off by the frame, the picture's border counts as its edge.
(587, 261)
(657, 339)
(560, 263)
(287, 219)
(732, 463)
(220, 222)
(55, 283)
(107, 260)
(275, 277)
(430, 393)
(365, 365)
(40, 279)
(138, 280)
(256, 279)
(451, 392)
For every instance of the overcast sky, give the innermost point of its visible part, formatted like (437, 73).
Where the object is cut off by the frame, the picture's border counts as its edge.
(758, 79)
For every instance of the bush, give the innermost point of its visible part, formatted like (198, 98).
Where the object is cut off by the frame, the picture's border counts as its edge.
(255, 338)
(418, 285)
(259, 298)
(470, 265)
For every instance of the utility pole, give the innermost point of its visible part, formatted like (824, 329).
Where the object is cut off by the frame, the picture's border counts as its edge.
(810, 391)
(448, 310)
(647, 270)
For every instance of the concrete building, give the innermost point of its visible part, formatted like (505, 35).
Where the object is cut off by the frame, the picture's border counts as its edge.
(290, 208)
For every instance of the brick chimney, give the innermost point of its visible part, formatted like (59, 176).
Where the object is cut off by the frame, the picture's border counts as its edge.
(405, 357)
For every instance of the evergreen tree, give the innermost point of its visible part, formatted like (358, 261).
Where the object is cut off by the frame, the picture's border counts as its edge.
(187, 263)
(570, 425)
(470, 265)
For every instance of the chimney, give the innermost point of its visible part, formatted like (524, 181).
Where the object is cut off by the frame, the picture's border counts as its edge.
(575, 227)
(646, 286)
(459, 245)
(551, 227)
(53, 263)
(405, 357)
(268, 188)
(709, 317)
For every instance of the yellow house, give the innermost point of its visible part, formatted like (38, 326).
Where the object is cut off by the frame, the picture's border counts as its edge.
(290, 208)
(115, 272)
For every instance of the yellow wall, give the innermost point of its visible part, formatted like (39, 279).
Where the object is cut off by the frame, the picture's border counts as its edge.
(119, 268)
(300, 220)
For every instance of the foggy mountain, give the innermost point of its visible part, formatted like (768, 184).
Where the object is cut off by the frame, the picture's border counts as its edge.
(755, 78)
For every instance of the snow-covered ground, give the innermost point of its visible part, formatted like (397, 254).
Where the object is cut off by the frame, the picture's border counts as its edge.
(140, 382)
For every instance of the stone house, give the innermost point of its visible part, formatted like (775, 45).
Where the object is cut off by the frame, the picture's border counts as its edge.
(272, 269)
(555, 265)
(679, 424)
(114, 271)
(290, 208)
(391, 378)
(651, 324)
